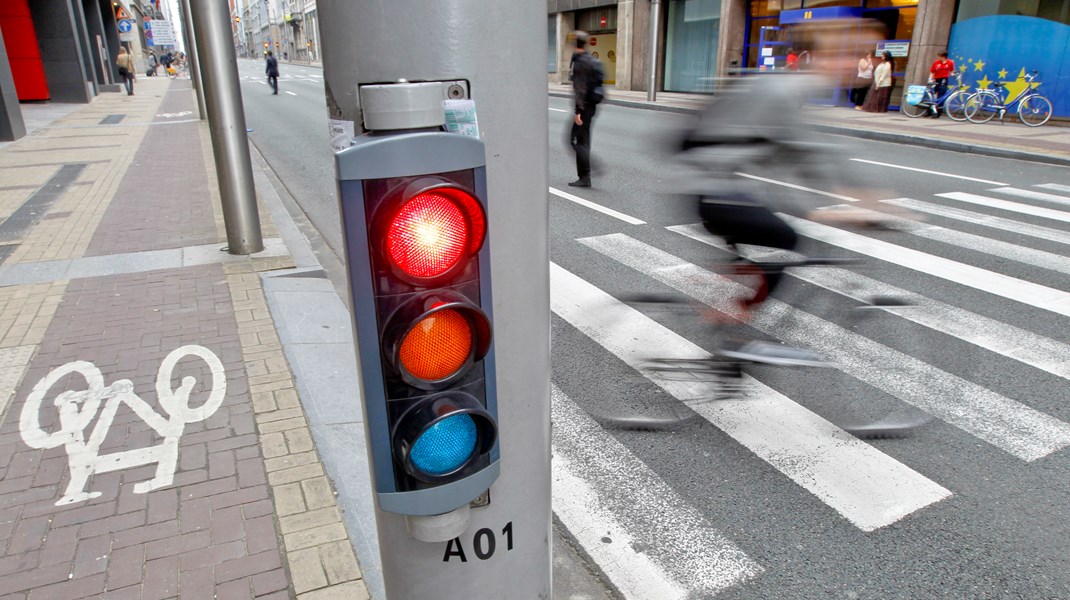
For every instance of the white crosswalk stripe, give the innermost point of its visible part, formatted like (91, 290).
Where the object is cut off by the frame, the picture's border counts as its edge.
(865, 486)
(690, 554)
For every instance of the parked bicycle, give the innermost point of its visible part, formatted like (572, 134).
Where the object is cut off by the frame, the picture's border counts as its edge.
(922, 100)
(1034, 109)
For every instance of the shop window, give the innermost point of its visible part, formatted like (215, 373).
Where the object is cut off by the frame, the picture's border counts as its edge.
(890, 3)
(691, 45)
(824, 3)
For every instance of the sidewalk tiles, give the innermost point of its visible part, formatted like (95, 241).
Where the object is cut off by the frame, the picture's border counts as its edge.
(152, 444)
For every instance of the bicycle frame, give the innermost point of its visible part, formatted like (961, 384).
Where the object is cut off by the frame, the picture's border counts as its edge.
(1001, 92)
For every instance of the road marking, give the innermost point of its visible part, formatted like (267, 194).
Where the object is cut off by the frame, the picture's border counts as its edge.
(1025, 209)
(1004, 423)
(1037, 231)
(1033, 195)
(77, 409)
(977, 243)
(290, 93)
(1054, 186)
(1006, 340)
(1031, 294)
(799, 187)
(883, 164)
(867, 487)
(598, 207)
(650, 542)
(559, 110)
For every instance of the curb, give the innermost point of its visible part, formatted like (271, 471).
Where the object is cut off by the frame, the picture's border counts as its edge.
(880, 136)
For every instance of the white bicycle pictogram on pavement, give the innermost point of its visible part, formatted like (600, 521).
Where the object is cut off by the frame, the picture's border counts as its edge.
(77, 410)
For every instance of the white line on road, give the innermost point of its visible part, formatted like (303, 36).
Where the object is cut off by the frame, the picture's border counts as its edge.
(1006, 340)
(1033, 195)
(978, 243)
(942, 174)
(1054, 186)
(559, 110)
(290, 93)
(1037, 231)
(597, 207)
(798, 187)
(1025, 209)
(650, 542)
(1032, 294)
(867, 487)
(1006, 424)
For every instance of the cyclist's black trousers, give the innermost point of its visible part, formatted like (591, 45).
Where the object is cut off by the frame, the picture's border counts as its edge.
(745, 222)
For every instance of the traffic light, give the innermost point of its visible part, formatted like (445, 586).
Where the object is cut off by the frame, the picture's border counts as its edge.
(265, 45)
(414, 211)
(237, 19)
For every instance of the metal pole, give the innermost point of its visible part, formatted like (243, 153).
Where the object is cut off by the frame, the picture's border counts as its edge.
(226, 120)
(191, 59)
(652, 85)
(457, 39)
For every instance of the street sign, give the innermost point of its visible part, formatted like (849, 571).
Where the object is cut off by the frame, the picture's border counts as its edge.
(126, 30)
(163, 33)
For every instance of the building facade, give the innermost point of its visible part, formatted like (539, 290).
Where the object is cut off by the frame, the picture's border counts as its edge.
(286, 27)
(703, 42)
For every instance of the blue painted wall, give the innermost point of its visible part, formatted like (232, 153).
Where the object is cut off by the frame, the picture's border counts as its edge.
(1003, 47)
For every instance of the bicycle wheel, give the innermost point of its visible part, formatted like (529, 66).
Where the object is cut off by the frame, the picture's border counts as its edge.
(955, 105)
(979, 107)
(914, 111)
(1035, 111)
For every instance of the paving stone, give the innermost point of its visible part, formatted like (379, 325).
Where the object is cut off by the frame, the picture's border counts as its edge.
(353, 590)
(339, 562)
(306, 571)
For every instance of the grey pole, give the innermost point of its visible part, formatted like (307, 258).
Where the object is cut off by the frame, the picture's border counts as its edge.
(191, 50)
(450, 40)
(226, 120)
(652, 85)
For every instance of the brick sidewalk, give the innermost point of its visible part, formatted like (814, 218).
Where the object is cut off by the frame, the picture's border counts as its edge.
(152, 443)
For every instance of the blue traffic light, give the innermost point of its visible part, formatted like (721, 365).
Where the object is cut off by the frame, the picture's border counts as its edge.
(445, 446)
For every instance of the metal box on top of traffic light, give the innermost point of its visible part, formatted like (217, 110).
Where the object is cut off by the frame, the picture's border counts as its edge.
(413, 207)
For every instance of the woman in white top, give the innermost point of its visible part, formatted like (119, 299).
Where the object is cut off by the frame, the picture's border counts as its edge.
(863, 81)
(879, 96)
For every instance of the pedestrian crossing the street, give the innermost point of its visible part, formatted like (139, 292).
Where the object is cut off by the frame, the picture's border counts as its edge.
(982, 277)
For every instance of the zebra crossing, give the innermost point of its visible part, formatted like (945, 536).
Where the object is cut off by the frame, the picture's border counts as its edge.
(867, 485)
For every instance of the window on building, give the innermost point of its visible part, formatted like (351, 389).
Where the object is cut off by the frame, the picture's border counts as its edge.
(1053, 10)
(691, 45)
(551, 57)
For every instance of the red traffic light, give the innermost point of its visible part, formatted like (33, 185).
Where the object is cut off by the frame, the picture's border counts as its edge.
(431, 229)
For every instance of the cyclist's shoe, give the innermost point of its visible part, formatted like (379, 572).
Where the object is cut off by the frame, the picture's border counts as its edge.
(771, 353)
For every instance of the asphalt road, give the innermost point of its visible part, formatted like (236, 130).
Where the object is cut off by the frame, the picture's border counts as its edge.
(766, 494)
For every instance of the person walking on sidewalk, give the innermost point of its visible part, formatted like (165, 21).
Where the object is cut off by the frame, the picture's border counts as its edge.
(863, 80)
(881, 94)
(153, 63)
(125, 63)
(272, 70)
(587, 92)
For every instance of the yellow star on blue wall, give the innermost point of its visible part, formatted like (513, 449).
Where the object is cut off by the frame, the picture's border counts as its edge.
(979, 65)
(1003, 73)
(984, 82)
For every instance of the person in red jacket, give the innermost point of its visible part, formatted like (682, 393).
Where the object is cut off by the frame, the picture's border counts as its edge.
(793, 60)
(940, 72)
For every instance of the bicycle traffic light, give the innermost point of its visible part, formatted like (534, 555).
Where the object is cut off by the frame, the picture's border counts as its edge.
(413, 207)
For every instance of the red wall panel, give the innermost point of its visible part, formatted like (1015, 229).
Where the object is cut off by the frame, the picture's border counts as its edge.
(20, 40)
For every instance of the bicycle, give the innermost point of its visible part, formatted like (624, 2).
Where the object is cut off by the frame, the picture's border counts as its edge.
(1034, 109)
(953, 101)
(724, 369)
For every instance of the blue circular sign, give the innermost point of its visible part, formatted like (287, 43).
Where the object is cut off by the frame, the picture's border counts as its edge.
(126, 25)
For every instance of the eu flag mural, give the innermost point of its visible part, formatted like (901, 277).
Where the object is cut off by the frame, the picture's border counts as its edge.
(1005, 48)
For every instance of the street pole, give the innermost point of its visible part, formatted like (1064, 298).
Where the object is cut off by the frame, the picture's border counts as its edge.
(504, 549)
(226, 120)
(652, 85)
(191, 51)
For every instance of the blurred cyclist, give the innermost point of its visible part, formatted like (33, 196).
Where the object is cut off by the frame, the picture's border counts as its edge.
(757, 123)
